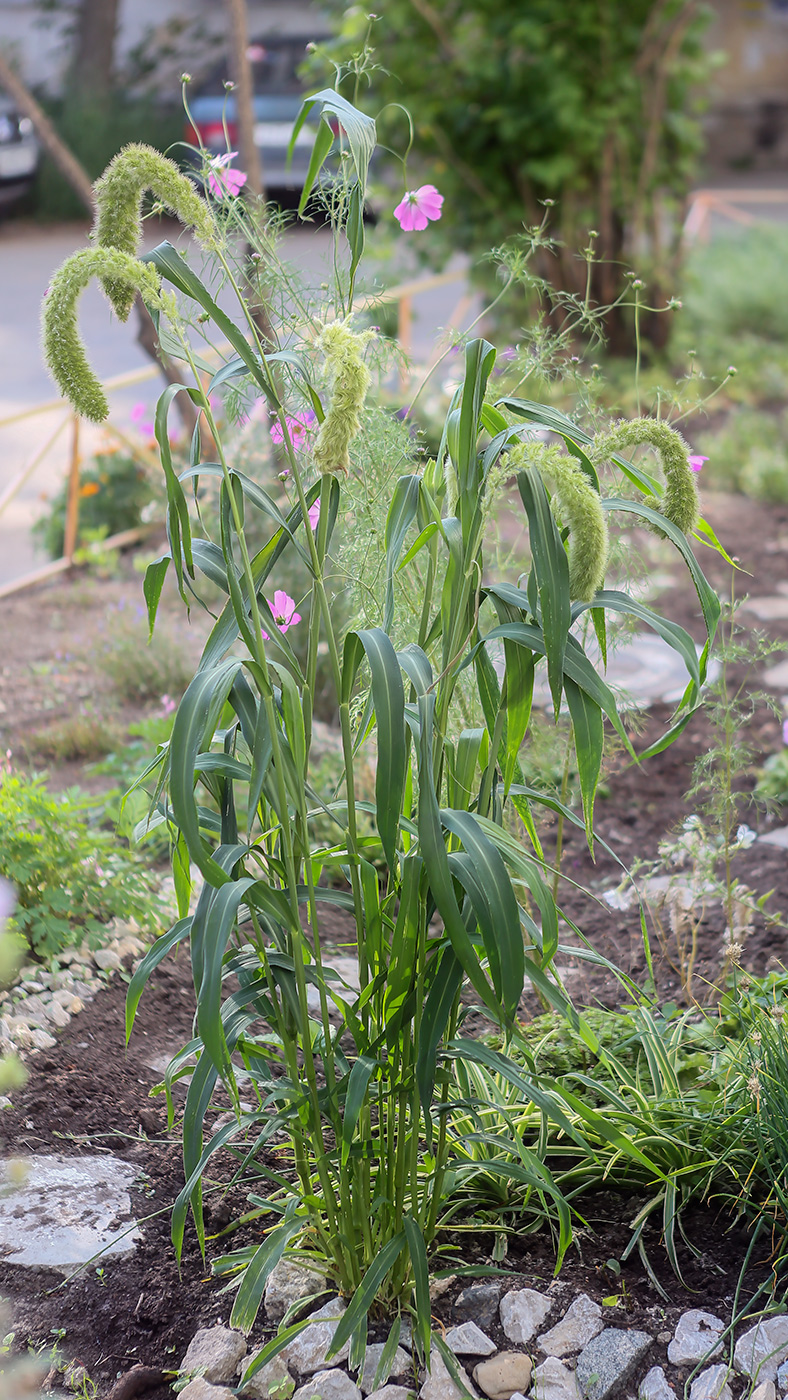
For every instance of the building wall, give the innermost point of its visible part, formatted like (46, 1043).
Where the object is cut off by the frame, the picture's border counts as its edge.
(747, 121)
(39, 40)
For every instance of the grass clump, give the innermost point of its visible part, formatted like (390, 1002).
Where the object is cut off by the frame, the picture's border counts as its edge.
(82, 738)
(139, 670)
(70, 879)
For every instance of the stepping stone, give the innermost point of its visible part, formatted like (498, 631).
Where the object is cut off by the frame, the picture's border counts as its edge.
(771, 609)
(644, 669)
(58, 1212)
(779, 837)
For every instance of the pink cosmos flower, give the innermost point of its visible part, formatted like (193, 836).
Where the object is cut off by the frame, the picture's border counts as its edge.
(299, 427)
(696, 462)
(785, 731)
(418, 207)
(139, 417)
(222, 180)
(283, 609)
(168, 704)
(314, 514)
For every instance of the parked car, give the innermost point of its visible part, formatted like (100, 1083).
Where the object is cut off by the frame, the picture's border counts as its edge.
(278, 93)
(19, 152)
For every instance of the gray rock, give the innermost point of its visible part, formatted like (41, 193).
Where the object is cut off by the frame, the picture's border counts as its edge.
(439, 1384)
(307, 1352)
(42, 1040)
(64, 996)
(272, 1379)
(200, 1389)
(57, 1212)
(654, 1386)
(60, 1016)
(504, 1375)
(554, 1381)
(522, 1314)
(608, 1361)
(215, 1353)
(767, 1390)
(479, 1304)
(782, 1378)
(763, 1348)
(712, 1384)
(697, 1336)
(580, 1323)
(107, 959)
(392, 1392)
(374, 1352)
(469, 1340)
(288, 1283)
(329, 1385)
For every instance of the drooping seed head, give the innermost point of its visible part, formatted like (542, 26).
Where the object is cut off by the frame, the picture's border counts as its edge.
(579, 508)
(119, 193)
(63, 348)
(679, 502)
(348, 378)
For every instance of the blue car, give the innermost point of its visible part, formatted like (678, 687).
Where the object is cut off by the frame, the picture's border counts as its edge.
(278, 93)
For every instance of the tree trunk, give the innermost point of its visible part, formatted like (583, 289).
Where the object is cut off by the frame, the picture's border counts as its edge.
(244, 98)
(90, 77)
(78, 178)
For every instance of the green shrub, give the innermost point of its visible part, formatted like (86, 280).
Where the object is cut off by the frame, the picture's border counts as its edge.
(113, 494)
(95, 133)
(84, 737)
(70, 879)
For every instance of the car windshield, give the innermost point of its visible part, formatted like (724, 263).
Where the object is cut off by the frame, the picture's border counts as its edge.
(275, 64)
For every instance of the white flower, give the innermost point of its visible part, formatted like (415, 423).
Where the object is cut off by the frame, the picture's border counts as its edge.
(745, 837)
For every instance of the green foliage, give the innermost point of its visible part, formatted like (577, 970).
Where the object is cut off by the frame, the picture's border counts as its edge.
(446, 896)
(95, 133)
(70, 880)
(592, 105)
(772, 784)
(114, 491)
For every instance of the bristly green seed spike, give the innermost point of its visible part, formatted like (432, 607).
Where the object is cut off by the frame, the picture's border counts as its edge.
(349, 380)
(63, 348)
(119, 193)
(679, 502)
(579, 507)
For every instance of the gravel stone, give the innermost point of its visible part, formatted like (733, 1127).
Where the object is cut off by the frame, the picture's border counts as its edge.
(505, 1375)
(608, 1361)
(329, 1385)
(439, 1384)
(554, 1381)
(374, 1352)
(215, 1352)
(469, 1340)
(392, 1392)
(763, 1348)
(307, 1352)
(200, 1389)
(712, 1384)
(522, 1314)
(273, 1376)
(767, 1390)
(580, 1323)
(107, 959)
(697, 1336)
(479, 1304)
(654, 1386)
(288, 1283)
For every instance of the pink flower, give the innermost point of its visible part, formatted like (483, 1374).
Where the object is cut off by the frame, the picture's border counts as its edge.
(299, 427)
(139, 416)
(222, 180)
(418, 207)
(168, 704)
(696, 462)
(785, 731)
(283, 609)
(314, 514)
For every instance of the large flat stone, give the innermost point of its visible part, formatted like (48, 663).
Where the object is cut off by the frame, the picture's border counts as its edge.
(58, 1212)
(609, 1360)
(581, 1321)
(522, 1313)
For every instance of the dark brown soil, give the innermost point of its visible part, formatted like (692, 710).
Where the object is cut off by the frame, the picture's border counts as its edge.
(89, 1094)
